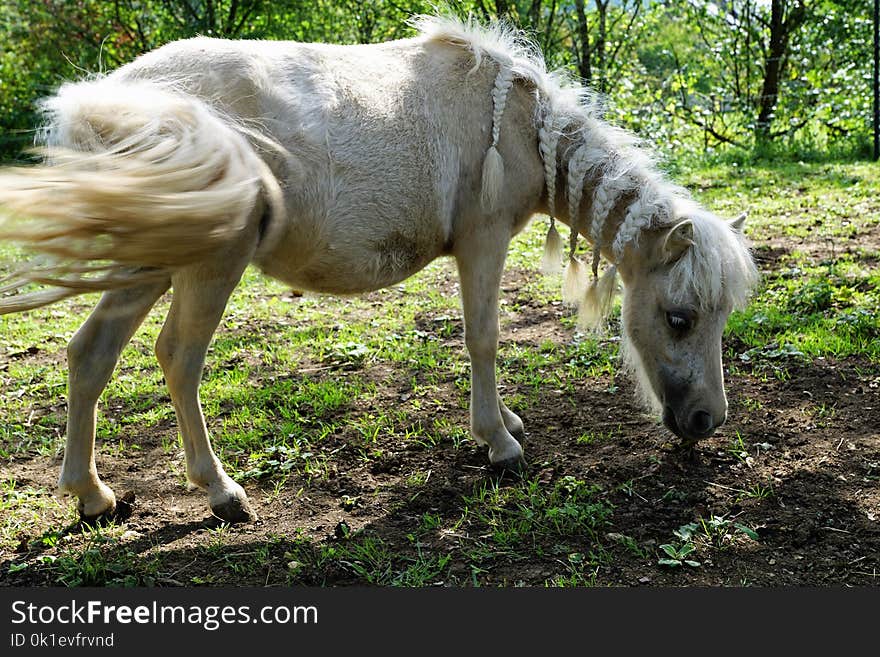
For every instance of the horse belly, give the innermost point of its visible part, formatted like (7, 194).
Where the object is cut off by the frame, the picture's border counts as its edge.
(351, 263)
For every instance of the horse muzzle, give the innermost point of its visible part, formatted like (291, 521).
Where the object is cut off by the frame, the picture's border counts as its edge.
(696, 424)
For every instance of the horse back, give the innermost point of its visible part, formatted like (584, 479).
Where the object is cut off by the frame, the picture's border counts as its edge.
(383, 147)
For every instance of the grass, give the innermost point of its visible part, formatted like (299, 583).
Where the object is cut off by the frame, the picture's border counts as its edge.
(816, 301)
(297, 385)
(496, 524)
(25, 510)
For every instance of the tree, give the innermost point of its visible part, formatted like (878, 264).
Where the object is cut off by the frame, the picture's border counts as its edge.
(786, 18)
(758, 73)
(689, 74)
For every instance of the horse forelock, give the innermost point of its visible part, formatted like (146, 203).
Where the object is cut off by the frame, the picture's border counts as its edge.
(718, 270)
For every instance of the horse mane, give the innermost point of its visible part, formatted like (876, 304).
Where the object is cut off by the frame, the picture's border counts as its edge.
(616, 158)
(718, 269)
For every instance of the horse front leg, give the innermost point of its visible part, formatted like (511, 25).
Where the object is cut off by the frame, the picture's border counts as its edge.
(200, 296)
(480, 262)
(91, 356)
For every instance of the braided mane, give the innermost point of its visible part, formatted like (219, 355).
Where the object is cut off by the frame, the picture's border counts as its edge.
(605, 159)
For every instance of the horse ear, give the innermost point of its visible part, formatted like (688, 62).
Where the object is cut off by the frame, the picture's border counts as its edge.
(678, 240)
(738, 223)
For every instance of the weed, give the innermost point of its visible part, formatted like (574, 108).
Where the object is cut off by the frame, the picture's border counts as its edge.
(102, 560)
(590, 437)
(581, 571)
(676, 555)
(758, 492)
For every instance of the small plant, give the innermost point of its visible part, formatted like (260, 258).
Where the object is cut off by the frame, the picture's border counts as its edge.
(351, 355)
(629, 543)
(719, 531)
(772, 352)
(759, 492)
(677, 555)
(590, 437)
(737, 448)
(280, 460)
(674, 495)
(582, 571)
(431, 522)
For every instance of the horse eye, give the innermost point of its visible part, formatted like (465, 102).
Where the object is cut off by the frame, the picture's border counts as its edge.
(679, 321)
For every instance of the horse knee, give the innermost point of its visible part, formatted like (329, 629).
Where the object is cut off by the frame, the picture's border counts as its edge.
(79, 350)
(481, 344)
(89, 365)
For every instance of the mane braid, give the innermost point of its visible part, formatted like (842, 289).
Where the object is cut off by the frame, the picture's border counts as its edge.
(582, 161)
(493, 165)
(577, 172)
(548, 141)
(650, 205)
(608, 192)
(503, 82)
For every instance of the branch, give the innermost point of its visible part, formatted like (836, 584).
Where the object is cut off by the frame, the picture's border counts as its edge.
(626, 32)
(233, 10)
(169, 7)
(689, 112)
(547, 31)
(790, 130)
(244, 16)
(708, 128)
(483, 10)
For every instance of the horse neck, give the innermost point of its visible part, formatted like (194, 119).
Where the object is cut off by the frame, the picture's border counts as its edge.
(599, 188)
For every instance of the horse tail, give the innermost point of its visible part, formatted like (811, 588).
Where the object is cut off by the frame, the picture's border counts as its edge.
(138, 179)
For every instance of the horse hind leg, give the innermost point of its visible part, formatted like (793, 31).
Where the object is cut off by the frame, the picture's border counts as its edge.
(92, 355)
(200, 296)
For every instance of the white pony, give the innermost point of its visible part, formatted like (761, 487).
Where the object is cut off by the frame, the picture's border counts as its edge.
(343, 169)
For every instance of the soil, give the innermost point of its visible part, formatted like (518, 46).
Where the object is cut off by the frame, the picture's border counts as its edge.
(820, 526)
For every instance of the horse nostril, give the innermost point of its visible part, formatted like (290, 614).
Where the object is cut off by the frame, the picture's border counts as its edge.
(701, 422)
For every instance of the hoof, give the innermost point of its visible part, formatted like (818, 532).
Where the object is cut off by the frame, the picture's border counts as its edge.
(506, 454)
(119, 512)
(234, 510)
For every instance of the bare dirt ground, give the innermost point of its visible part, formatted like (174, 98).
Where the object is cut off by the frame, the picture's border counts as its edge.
(807, 482)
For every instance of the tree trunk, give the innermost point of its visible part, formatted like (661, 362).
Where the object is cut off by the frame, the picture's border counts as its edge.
(583, 33)
(602, 40)
(781, 29)
(770, 87)
(876, 79)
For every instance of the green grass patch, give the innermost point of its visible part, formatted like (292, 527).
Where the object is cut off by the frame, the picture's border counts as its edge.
(804, 311)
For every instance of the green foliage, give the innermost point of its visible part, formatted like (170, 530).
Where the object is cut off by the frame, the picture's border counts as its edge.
(685, 74)
(713, 533)
(102, 560)
(697, 83)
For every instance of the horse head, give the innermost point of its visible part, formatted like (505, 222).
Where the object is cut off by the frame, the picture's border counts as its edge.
(681, 282)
